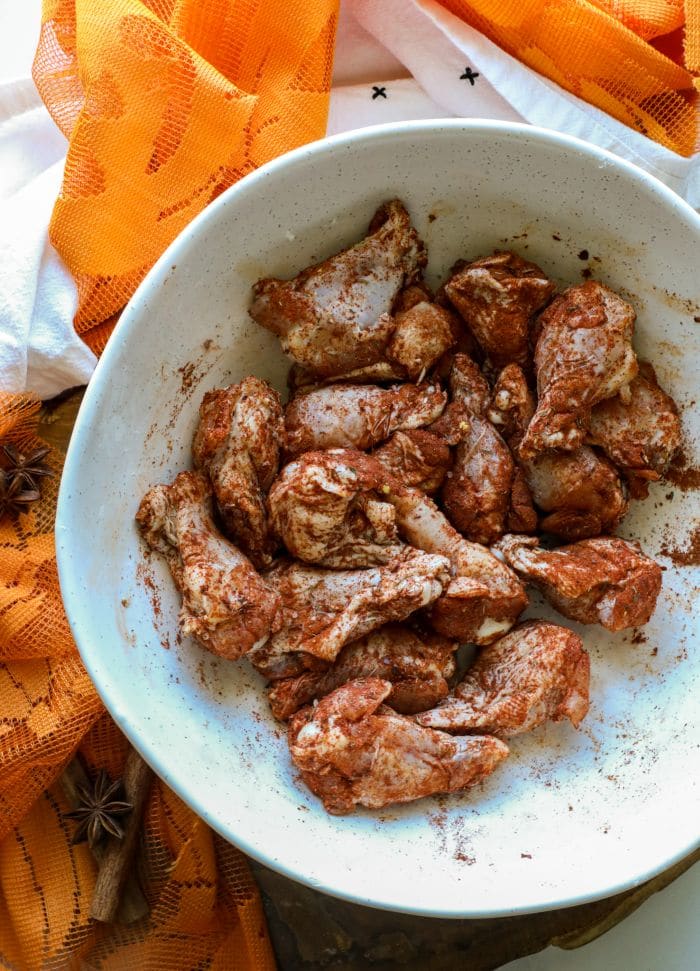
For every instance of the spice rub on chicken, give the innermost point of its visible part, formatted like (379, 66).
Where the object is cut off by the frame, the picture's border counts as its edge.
(605, 580)
(353, 751)
(583, 355)
(536, 673)
(417, 664)
(226, 605)
(389, 512)
(237, 443)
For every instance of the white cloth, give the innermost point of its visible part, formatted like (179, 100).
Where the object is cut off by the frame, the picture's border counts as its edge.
(395, 60)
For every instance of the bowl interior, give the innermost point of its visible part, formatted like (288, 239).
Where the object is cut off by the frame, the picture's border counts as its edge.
(571, 815)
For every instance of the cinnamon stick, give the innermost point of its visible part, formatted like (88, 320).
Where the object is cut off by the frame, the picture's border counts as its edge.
(132, 903)
(118, 854)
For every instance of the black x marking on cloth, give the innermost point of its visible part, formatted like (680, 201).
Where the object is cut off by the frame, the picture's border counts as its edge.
(469, 75)
(378, 92)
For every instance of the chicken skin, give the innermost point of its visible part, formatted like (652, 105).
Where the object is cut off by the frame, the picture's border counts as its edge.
(329, 508)
(512, 405)
(538, 672)
(422, 334)
(605, 581)
(335, 316)
(476, 493)
(484, 597)
(237, 443)
(639, 436)
(226, 605)
(580, 492)
(358, 416)
(418, 458)
(498, 296)
(353, 751)
(584, 355)
(418, 667)
(323, 610)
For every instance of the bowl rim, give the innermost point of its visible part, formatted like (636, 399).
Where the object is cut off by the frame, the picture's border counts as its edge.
(129, 320)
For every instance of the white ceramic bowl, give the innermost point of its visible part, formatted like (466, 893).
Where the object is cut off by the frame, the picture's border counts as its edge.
(571, 816)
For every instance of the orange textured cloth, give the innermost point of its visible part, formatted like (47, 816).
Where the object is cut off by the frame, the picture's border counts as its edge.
(202, 901)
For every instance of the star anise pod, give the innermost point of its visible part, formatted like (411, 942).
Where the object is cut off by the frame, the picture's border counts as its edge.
(99, 809)
(28, 469)
(14, 498)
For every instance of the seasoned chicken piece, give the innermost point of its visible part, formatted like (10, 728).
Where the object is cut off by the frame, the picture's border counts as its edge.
(497, 296)
(512, 404)
(584, 355)
(226, 605)
(237, 443)
(418, 458)
(604, 581)
(417, 666)
(538, 672)
(484, 598)
(351, 750)
(322, 610)
(330, 508)
(640, 436)
(422, 334)
(358, 416)
(580, 491)
(476, 493)
(335, 316)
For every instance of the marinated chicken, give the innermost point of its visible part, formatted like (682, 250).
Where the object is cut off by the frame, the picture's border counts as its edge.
(476, 493)
(418, 458)
(237, 443)
(605, 581)
(422, 334)
(330, 508)
(417, 665)
(538, 672)
(484, 597)
(358, 416)
(335, 316)
(580, 492)
(226, 605)
(353, 751)
(512, 405)
(640, 436)
(584, 355)
(498, 296)
(323, 610)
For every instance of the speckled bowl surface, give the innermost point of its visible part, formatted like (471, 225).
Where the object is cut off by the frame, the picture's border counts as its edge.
(571, 815)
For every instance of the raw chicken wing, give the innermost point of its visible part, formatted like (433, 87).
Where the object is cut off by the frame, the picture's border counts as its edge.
(322, 610)
(358, 416)
(476, 493)
(351, 750)
(330, 508)
(604, 581)
(422, 334)
(335, 316)
(484, 597)
(226, 605)
(418, 458)
(417, 666)
(581, 493)
(497, 296)
(536, 673)
(640, 436)
(584, 355)
(237, 443)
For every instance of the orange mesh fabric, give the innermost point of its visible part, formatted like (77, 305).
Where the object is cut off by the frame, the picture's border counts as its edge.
(589, 52)
(648, 18)
(203, 902)
(166, 103)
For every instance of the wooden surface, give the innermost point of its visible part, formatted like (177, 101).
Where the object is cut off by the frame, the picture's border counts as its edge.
(311, 931)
